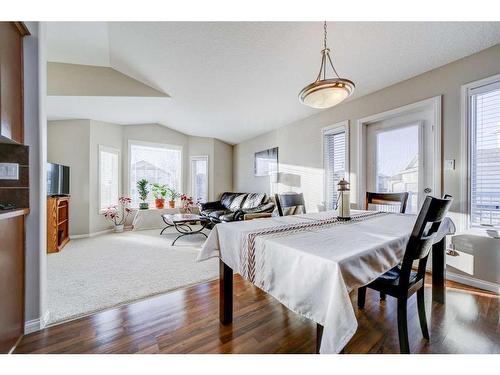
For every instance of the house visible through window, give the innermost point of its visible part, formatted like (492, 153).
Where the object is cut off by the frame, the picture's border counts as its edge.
(484, 152)
(199, 178)
(335, 161)
(109, 177)
(157, 163)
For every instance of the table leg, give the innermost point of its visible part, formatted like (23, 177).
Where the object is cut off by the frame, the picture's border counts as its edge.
(225, 293)
(439, 271)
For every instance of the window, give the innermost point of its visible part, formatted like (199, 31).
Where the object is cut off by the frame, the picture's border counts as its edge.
(335, 157)
(199, 178)
(157, 163)
(484, 154)
(109, 177)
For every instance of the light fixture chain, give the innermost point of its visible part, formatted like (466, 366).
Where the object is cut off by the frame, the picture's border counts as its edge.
(325, 32)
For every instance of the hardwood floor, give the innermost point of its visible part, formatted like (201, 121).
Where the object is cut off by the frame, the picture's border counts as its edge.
(187, 321)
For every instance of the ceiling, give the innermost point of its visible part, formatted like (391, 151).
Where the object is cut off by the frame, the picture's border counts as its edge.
(236, 80)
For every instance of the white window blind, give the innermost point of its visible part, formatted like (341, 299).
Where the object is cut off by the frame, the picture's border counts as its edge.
(156, 163)
(484, 146)
(109, 177)
(199, 178)
(335, 163)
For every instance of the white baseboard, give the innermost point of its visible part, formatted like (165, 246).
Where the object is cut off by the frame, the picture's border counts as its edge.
(476, 283)
(31, 326)
(93, 234)
(36, 324)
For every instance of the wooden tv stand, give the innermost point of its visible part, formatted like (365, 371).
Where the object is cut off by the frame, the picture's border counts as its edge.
(57, 223)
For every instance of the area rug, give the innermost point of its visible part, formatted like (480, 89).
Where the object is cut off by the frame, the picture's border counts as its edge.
(97, 273)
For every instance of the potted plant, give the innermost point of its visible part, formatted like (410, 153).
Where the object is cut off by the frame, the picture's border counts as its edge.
(159, 192)
(187, 203)
(119, 216)
(173, 194)
(142, 188)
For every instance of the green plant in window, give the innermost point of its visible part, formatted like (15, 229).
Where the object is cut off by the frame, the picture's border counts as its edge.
(159, 190)
(142, 188)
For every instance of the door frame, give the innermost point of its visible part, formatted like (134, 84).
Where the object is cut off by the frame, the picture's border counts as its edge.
(433, 104)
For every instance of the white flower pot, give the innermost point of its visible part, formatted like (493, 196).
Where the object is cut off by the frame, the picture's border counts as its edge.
(119, 228)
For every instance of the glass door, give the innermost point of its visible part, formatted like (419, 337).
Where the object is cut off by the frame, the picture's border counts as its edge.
(396, 156)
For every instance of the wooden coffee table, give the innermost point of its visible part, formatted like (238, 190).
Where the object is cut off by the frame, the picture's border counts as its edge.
(183, 224)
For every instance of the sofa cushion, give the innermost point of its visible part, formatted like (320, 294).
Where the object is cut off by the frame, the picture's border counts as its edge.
(253, 200)
(228, 217)
(218, 213)
(237, 202)
(227, 198)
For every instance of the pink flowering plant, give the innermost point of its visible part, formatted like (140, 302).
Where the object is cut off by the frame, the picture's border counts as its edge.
(118, 214)
(187, 202)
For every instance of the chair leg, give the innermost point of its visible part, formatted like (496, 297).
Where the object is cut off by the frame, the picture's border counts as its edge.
(382, 296)
(421, 312)
(361, 297)
(404, 346)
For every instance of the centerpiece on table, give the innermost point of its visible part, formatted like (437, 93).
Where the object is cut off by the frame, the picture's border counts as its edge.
(142, 189)
(119, 215)
(187, 203)
(173, 195)
(159, 192)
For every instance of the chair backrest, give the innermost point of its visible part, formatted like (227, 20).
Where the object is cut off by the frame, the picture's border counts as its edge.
(286, 201)
(390, 200)
(423, 235)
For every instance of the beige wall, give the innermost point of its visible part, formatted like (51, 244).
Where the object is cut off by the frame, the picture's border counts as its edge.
(223, 174)
(88, 80)
(300, 143)
(63, 149)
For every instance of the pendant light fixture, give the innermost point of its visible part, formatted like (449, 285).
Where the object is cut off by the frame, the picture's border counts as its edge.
(326, 92)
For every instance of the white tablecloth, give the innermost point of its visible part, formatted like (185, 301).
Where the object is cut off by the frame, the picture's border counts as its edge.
(312, 271)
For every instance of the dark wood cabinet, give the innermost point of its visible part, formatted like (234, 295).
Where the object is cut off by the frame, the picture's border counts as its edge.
(11, 278)
(11, 81)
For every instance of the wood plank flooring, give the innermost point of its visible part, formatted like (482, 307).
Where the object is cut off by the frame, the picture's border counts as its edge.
(187, 321)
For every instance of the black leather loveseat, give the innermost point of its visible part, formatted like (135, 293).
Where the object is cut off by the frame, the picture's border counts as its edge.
(233, 206)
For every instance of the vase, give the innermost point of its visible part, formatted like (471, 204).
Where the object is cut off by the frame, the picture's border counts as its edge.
(119, 228)
(171, 204)
(143, 205)
(160, 203)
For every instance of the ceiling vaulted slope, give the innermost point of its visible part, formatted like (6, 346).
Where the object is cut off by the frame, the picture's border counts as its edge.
(236, 80)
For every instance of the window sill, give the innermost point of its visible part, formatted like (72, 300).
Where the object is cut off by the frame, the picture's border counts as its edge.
(493, 233)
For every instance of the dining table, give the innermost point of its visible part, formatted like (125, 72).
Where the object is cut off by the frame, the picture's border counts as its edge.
(311, 262)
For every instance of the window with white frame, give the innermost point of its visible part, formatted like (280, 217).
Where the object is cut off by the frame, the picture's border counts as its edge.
(109, 177)
(335, 160)
(157, 163)
(484, 154)
(199, 178)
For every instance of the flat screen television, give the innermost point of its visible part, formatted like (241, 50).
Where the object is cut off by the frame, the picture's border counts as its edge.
(57, 179)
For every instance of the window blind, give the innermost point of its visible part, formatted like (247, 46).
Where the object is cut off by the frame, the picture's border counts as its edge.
(109, 178)
(485, 155)
(335, 164)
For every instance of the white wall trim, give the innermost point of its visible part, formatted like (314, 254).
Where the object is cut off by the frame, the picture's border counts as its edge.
(332, 129)
(464, 147)
(435, 103)
(87, 235)
(31, 326)
(36, 324)
(476, 283)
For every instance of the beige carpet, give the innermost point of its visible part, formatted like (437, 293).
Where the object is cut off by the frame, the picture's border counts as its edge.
(97, 273)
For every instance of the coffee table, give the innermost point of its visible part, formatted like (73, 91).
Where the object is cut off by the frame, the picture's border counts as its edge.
(183, 224)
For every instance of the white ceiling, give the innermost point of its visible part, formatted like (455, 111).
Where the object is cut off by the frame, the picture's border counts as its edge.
(235, 80)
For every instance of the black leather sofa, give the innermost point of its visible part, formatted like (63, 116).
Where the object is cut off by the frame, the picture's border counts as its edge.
(233, 206)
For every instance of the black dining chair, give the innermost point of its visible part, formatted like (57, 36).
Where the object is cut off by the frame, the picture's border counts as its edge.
(391, 201)
(287, 204)
(401, 282)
